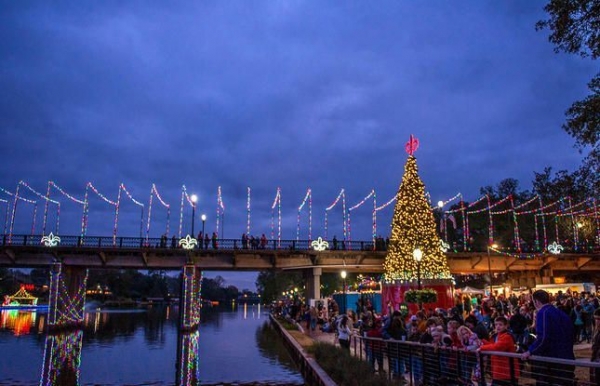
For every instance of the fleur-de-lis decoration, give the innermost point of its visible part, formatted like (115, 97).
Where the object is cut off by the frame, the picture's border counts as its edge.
(50, 240)
(555, 248)
(320, 244)
(188, 243)
(444, 246)
(412, 145)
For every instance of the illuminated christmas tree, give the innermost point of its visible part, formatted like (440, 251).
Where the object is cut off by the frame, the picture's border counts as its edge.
(413, 226)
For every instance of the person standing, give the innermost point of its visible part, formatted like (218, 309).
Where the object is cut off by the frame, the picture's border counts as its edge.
(344, 333)
(596, 348)
(215, 245)
(554, 339)
(503, 372)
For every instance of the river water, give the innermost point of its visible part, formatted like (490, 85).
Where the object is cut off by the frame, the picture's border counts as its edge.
(143, 347)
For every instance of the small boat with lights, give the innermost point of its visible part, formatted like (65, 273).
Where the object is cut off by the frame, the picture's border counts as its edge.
(21, 300)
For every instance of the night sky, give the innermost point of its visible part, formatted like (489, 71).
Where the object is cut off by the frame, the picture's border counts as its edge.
(268, 94)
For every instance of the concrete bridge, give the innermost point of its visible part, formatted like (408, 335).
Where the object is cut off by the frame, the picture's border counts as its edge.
(229, 254)
(71, 257)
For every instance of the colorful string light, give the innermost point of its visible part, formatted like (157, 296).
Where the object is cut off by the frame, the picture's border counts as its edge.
(276, 202)
(220, 212)
(358, 205)
(153, 192)
(342, 196)
(307, 198)
(248, 212)
(184, 194)
(48, 200)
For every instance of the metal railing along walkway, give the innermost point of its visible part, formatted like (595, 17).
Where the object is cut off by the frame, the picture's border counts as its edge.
(423, 364)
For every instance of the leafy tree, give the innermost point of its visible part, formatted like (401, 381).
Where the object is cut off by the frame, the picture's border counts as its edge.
(575, 29)
(271, 284)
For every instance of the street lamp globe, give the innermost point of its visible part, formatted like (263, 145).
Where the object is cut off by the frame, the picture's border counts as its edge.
(440, 204)
(417, 255)
(203, 217)
(194, 198)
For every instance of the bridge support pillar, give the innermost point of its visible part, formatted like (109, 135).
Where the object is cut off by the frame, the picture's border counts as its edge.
(67, 296)
(190, 300)
(313, 281)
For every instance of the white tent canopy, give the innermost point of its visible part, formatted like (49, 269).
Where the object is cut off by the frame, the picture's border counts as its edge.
(470, 290)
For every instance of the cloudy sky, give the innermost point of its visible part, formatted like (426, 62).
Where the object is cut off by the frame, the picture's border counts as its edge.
(268, 94)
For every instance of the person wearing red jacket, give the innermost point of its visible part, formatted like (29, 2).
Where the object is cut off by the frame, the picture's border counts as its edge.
(503, 372)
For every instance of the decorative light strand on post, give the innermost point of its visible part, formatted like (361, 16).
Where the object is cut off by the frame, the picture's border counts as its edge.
(16, 198)
(87, 205)
(341, 195)
(184, 193)
(47, 199)
(307, 197)
(136, 202)
(248, 212)
(153, 192)
(276, 202)
(220, 211)
(358, 205)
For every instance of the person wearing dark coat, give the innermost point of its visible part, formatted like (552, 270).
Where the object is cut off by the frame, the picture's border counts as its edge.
(554, 339)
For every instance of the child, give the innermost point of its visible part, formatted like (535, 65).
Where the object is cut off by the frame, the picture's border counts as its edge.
(503, 372)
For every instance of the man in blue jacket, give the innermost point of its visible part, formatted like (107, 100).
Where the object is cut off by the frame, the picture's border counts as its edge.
(554, 339)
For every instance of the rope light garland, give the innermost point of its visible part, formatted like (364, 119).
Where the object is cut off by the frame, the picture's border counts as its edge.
(276, 203)
(48, 200)
(358, 205)
(184, 194)
(154, 192)
(136, 202)
(307, 198)
(16, 198)
(220, 211)
(248, 212)
(567, 229)
(342, 196)
(520, 256)
(86, 206)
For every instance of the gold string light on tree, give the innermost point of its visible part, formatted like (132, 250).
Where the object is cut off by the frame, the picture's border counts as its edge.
(413, 226)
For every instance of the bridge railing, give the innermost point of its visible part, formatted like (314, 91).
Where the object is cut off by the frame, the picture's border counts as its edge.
(236, 244)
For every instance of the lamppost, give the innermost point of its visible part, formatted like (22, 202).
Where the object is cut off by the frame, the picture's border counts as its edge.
(194, 199)
(201, 242)
(343, 274)
(490, 263)
(418, 256)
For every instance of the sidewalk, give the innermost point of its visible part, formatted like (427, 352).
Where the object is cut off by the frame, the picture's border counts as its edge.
(582, 350)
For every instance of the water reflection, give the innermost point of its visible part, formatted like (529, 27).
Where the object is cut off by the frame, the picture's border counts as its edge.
(62, 358)
(148, 347)
(22, 322)
(188, 371)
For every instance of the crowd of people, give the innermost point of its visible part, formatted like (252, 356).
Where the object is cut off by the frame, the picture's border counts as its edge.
(532, 325)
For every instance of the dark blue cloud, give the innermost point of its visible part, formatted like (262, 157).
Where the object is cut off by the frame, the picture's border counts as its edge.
(271, 94)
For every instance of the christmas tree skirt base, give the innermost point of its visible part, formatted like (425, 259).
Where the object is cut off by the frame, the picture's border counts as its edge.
(394, 294)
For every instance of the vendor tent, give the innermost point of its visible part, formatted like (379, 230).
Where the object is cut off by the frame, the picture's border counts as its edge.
(470, 290)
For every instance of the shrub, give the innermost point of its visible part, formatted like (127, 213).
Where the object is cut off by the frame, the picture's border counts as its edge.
(345, 369)
(426, 295)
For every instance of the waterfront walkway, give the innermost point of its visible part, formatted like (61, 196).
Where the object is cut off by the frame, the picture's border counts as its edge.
(582, 354)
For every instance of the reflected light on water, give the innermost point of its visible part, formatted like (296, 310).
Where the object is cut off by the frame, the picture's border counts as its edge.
(17, 321)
